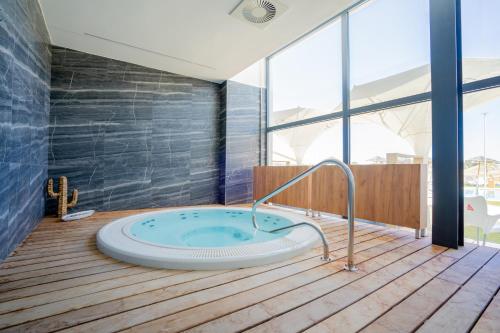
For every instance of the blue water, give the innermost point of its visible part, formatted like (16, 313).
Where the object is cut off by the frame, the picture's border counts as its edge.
(208, 228)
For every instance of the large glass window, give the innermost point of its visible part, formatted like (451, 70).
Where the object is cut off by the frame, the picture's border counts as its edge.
(480, 39)
(304, 145)
(389, 58)
(399, 135)
(305, 79)
(389, 50)
(482, 161)
(481, 60)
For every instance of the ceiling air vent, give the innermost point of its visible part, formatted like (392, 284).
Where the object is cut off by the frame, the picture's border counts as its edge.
(259, 13)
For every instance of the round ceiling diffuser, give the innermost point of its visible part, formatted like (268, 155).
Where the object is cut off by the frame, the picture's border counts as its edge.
(259, 11)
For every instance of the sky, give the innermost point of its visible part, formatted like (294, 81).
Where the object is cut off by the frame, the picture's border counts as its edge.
(386, 37)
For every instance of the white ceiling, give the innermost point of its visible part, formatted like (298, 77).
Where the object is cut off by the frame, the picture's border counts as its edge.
(196, 38)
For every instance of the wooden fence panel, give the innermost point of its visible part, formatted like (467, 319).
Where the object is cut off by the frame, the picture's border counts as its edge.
(268, 178)
(389, 193)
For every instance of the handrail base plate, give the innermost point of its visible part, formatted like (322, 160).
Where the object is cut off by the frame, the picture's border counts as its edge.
(350, 268)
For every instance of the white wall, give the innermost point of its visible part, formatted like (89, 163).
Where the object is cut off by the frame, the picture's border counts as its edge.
(254, 75)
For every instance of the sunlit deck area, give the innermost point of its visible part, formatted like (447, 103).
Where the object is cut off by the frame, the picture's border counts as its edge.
(57, 280)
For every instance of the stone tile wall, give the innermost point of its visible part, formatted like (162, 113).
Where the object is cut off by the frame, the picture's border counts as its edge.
(242, 145)
(126, 136)
(132, 137)
(24, 112)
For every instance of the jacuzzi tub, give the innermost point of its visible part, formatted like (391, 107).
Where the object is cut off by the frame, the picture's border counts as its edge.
(205, 238)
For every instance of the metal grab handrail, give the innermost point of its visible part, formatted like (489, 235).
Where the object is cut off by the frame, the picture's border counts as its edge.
(350, 208)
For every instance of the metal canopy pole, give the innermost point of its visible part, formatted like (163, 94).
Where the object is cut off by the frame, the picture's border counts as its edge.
(346, 90)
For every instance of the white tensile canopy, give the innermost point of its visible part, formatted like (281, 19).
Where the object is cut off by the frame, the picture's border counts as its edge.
(412, 122)
(300, 139)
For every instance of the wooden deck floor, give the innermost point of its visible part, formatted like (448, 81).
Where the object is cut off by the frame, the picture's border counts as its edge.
(57, 280)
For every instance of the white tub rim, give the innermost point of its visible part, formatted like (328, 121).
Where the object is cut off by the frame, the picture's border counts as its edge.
(125, 247)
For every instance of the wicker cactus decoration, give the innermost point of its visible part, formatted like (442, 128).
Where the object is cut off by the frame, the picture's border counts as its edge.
(62, 195)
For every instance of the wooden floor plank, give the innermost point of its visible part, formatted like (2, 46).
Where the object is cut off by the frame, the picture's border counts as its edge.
(20, 261)
(137, 297)
(462, 311)
(58, 280)
(413, 311)
(54, 270)
(15, 269)
(287, 301)
(58, 285)
(40, 257)
(50, 252)
(63, 234)
(490, 320)
(54, 296)
(159, 309)
(57, 240)
(40, 280)
(333, 273)
(51, 309)
(73, 245)
(70, 283)
(311, 313)
(46, 254)
(356, 316)
(28, 282)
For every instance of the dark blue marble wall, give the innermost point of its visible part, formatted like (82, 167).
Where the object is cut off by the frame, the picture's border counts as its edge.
(132, 137)
(24, 112)
(242, 144)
